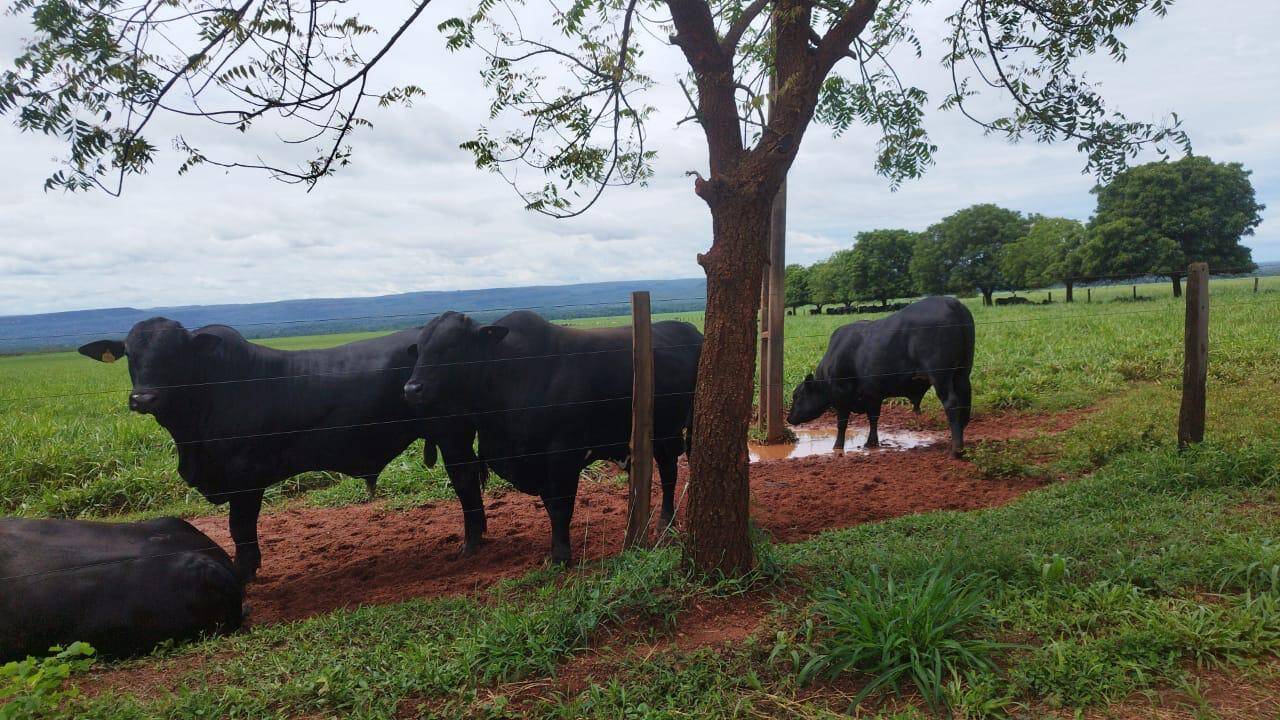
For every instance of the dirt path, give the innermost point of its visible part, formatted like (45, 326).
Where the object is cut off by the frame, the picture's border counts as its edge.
(316, 560)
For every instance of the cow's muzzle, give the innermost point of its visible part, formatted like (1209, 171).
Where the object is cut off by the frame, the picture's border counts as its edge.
(143, 402)
(413, 393)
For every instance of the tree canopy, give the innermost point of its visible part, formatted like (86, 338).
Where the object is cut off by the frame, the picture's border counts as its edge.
(1201, 208)
(965, 249)
(796, 286)
(832, 281)
(1049, 253)
(881, 264)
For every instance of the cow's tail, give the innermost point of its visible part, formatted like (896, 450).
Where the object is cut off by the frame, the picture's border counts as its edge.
(970, 340)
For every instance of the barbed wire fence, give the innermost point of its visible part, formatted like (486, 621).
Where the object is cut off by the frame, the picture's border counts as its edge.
(641, 403)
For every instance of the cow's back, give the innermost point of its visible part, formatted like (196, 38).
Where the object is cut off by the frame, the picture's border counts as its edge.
(568, 390)
(932, 335)
(121, 587)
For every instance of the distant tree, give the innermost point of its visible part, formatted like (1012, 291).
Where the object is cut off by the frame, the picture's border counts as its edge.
(1127, 246)
(1204, 207)
(966, 249)
(797, 287)
(832, 280)
(929, 272)
(881, 264)
(1048, 254)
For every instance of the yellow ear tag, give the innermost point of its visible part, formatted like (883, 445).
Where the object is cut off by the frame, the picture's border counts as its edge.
(107, 357)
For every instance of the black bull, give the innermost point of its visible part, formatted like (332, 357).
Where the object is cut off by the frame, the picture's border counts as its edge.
(548, 400)
(121, 587)
(928, 343)
(245, 417)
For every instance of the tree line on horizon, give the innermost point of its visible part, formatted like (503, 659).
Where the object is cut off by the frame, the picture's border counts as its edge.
(1152, 219)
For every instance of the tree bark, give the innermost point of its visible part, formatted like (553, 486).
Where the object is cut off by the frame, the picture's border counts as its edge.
(719, 490)
(986, 297)
(1177, 284)
(1070, 287)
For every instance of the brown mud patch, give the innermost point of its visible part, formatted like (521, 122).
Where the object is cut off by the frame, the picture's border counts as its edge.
(316, 560)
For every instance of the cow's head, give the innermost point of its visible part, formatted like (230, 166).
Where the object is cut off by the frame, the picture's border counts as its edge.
(809, 400)
(164, 359)
(452, 350)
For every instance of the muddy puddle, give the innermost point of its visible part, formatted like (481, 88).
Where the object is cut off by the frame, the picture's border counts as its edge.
(819, 441)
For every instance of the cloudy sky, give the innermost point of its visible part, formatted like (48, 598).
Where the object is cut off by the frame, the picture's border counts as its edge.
(413, 213)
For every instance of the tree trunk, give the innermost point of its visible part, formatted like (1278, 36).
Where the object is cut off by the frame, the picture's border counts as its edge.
(1177, 284)
(986, 296)
(719, 491)
(1070, 287)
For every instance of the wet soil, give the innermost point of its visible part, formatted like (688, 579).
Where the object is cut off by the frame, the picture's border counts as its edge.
(319, 559)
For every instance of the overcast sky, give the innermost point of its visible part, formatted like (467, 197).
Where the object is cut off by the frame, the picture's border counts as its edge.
(413, 213)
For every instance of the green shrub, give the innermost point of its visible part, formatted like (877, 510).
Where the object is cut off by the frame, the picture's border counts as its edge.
(34, 688)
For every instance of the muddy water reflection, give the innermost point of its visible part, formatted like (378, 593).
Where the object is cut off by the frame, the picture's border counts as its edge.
(819, 441)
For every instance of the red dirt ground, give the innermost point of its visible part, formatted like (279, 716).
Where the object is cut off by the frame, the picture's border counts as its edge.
(316, 560)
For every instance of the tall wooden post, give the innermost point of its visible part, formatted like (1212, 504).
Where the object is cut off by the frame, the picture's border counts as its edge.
(1255, 284)
(641, 475)
(772, 378)
(1195, 360)
(773, 314)
(1088, 294)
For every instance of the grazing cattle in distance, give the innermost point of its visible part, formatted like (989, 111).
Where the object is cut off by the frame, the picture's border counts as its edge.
(927, 344)
(245, 416)
(548, 400)
(121, 587)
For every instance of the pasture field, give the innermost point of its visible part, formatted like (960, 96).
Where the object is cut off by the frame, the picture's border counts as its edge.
(1139, 581)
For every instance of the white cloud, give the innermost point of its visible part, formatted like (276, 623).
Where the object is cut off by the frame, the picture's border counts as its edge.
(413, 213)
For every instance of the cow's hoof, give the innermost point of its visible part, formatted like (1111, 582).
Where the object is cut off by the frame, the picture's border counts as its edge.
(666, 523)
(559, 559)
(870, 444)
(470, 548)
(246, 609)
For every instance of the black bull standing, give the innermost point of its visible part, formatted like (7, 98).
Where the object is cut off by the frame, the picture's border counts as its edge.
(549, 400)
(245, 417)
(927, 343)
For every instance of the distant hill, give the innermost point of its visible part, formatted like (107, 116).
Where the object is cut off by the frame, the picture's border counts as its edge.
(59, 331)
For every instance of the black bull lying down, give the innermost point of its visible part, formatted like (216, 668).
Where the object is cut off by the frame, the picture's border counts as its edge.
(549, 400)
(928, 343)
(245, 417)
(121, 587)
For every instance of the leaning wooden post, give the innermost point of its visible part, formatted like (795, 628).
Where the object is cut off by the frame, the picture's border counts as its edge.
(641, 475)
(1195, 362)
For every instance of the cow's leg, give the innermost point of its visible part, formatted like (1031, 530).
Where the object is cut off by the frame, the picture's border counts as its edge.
(245, 507)
(466, 475)
(371, 483)
(842, 424)
(958, 411)
(558, 497)
(873, 422)
(668, 471)
(956, 404)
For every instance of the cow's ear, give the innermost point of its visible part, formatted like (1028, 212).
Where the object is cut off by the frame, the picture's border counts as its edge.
(494, 333)
(205, 343)
(412, 350)
(107, 351)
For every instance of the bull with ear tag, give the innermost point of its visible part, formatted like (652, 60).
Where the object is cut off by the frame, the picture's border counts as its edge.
(244, 416)
(549, 400)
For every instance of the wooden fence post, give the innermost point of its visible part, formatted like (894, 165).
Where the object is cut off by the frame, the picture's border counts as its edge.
(1195, 362)
(1088, 294)
(1050, 296)
(1255, 284)
(771, 369)
(641, 474)
(1135, 292)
